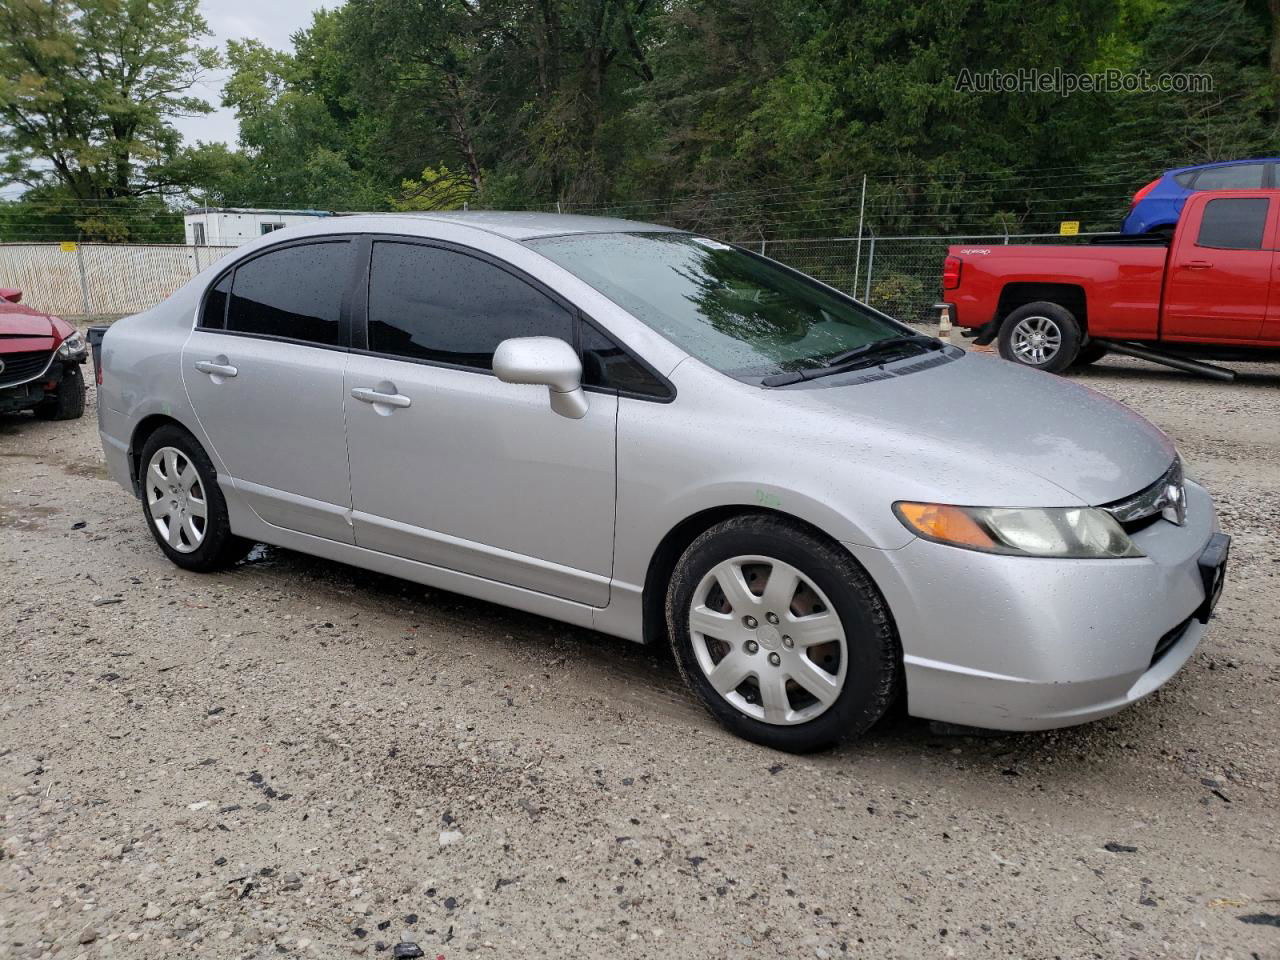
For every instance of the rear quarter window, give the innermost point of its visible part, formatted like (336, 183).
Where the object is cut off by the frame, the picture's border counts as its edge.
(214, 314)
(1241, 176)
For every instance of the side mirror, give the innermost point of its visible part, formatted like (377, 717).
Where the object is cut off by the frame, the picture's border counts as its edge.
(548, 362)
(10, 294)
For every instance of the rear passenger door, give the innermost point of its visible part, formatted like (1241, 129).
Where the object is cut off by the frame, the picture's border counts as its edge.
(1218, 286)
(263, 370)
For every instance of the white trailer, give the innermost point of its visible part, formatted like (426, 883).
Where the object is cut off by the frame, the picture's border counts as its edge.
(232, 226)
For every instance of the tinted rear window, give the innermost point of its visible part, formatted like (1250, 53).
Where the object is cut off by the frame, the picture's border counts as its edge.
(295, 293)
(1234, 223)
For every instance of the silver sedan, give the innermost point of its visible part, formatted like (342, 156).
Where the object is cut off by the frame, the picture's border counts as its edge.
(675, 440)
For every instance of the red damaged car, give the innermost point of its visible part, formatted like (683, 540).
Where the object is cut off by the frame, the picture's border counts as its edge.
(40, 358)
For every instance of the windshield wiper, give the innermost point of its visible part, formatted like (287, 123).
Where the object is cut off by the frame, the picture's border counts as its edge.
(852, 359)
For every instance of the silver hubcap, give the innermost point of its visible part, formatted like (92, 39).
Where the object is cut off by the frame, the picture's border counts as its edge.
(1036, 340)
(175, 499)
(768, 640)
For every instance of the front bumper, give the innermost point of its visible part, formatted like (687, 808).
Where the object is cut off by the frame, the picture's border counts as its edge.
(1013, 643)
(30, 393)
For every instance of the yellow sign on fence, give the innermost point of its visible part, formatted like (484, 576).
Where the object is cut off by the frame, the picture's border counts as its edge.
(1069, 228)
(68, 246)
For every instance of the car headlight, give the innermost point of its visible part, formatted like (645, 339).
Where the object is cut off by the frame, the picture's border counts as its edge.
(1064, 532)
(73, 346)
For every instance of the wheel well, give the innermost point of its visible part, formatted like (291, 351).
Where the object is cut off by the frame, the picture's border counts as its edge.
(141, 434)
(674, 544)
(1067, 295)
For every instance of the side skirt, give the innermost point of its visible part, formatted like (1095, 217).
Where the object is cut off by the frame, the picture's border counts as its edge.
(246, 523)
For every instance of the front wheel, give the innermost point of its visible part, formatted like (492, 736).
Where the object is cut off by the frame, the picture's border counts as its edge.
(67, 402)
(1041, 335)
(781, 634)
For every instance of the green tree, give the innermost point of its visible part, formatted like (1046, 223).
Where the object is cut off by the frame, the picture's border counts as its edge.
(89, 90)
(300, 134)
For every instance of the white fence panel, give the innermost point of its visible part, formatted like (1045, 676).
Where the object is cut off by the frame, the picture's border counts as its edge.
(100, 279)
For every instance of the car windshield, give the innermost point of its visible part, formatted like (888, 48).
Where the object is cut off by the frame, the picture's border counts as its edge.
(740, 313)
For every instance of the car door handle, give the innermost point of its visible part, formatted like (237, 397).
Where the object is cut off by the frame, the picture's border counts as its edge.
(370, 395)
(216, 369)
(1198, 264)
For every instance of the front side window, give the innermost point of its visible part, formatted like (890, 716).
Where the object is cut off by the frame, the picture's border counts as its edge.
(429, 303)
(294, 293)
(607, 365)
(742, 314)
(1233, 223)
(1241, 176)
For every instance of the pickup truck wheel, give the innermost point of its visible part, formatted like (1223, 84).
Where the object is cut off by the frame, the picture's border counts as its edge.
(1040, 335)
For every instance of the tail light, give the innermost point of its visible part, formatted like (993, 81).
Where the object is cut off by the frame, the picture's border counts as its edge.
(1137, 197)
(951, 273)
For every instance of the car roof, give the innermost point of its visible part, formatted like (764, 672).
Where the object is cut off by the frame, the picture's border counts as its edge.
(1222, 163)
(526, 225)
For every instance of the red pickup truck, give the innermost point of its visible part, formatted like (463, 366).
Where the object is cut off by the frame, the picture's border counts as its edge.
(1210, 292)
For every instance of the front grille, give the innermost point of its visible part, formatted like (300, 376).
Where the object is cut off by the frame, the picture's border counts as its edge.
(19, 367)
(1166, 643)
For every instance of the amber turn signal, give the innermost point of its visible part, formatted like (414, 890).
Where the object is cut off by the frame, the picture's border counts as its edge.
(938, 521)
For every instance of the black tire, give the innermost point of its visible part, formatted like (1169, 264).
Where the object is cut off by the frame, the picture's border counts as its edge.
(1090, 353)
(219, 547)
(1057, 321)
(872, 674)
(67, 402)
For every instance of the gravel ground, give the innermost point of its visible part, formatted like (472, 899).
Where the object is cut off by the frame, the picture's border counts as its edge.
(297, 757)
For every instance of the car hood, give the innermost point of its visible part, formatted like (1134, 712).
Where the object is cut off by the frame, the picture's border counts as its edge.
(1000, 417)
(19, 321)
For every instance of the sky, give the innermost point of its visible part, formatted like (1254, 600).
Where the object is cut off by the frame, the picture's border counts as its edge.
(272, 22)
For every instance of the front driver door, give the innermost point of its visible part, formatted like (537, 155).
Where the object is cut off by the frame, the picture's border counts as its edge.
(455, 468)
(1219, 276)
(263, 371)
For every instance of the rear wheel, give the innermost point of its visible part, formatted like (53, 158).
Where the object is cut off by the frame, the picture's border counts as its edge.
(781, 634)
(67, 402)
(1042, 335)
(183, 505)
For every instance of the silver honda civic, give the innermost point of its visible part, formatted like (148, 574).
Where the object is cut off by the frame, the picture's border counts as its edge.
(673, 440)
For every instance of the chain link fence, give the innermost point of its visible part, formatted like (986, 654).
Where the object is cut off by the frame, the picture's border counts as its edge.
(898, 275)
(82, 280)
